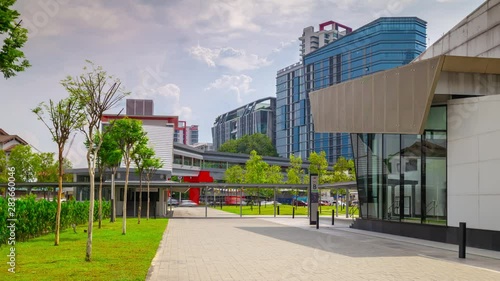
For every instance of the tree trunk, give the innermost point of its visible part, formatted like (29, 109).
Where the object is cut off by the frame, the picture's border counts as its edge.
(113, 195)
(147, 211)
(124, 222)
(140, 199)
(99, 216)
(59, 192)
(88, 255)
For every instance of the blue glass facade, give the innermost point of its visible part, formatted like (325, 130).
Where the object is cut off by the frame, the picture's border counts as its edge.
(380, 45)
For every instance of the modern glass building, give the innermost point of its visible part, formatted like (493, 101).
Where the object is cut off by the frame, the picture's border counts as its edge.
(382, 44)
(402, 177)
(255, 117)
(425, 137)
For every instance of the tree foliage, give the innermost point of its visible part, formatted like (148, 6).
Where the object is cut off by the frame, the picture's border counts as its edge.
(151, 166)
(62, 119)
(235, 174)
(141, 154)
(319, 165)
(26, 163)
(295, 173)
(261, 143)
(128, 133)
(3, 167)
(12, 59)
(110, 157)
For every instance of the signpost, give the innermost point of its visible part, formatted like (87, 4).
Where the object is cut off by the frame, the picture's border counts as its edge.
(314, 198)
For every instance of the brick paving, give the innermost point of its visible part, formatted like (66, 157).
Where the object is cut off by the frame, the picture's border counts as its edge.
(227, 247)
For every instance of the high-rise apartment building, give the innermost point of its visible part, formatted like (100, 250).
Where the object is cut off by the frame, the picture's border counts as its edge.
(255, 117)
(186, 134)
(380, 45)
(312, 40)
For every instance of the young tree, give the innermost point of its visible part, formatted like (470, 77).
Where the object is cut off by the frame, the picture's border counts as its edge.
(111, 157)
(62, 119)
(235, 174)
(150, 167)
(12, 59)
(96, 92)
(128, 133)
(318, 166)
(295, 173)
(141, 154)
(273, 176)
(255, 172)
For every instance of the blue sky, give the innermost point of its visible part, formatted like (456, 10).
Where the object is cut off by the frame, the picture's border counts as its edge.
(195, 58)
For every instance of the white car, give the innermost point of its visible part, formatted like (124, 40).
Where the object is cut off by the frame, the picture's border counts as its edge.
(187, 203)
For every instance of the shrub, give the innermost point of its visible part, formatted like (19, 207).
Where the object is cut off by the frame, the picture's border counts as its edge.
(38, 217)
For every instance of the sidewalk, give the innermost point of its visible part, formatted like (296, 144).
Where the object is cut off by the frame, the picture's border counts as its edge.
(226, 247)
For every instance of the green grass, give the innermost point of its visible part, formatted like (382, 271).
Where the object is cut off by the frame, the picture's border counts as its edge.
(114, 256)
(285, 210)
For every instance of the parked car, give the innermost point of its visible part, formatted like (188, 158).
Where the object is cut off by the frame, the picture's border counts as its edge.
(299, 203)
(172, 201)
(187, 203)
(324, 203)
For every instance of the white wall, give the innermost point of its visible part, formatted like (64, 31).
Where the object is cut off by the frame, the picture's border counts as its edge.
(478, 35)
(474, 162)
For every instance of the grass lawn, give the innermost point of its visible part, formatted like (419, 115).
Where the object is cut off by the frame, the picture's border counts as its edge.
(285, 210)
(114, 256)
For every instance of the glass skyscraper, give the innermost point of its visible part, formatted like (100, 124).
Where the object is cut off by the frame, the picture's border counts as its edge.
(380, 45)
(255, 117)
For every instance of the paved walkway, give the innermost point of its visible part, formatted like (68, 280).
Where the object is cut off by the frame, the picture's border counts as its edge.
(227, 247)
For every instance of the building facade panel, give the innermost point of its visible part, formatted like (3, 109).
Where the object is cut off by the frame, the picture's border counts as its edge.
(473, 172)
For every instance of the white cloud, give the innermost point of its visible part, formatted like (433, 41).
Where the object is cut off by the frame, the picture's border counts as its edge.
(205, 55)
(234, 59)
(169, 91)
(284, 45)
(239, 84)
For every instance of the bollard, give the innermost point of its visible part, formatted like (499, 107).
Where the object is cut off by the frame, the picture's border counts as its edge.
(278, 207)
(221, 204)
(462, 239)
(293, 213)
(333, 217)
(317, 219)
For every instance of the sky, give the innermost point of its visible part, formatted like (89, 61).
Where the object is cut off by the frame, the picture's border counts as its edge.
(195, 58)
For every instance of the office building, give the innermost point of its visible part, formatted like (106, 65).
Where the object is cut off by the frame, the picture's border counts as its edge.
(382, 44)
(425, 137)
(255, 117)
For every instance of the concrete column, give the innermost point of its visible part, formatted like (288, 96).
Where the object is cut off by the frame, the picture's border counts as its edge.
(160, 211)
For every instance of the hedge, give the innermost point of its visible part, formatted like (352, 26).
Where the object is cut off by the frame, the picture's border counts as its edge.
(38, 217)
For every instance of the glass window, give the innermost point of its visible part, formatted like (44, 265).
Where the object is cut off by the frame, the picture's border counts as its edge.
(410, 192)
(435, 177)
(437, 118)
(391, 177)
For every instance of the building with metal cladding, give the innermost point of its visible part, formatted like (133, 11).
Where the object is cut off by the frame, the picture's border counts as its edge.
(255, 117)
(382, 44)
(425, 136)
